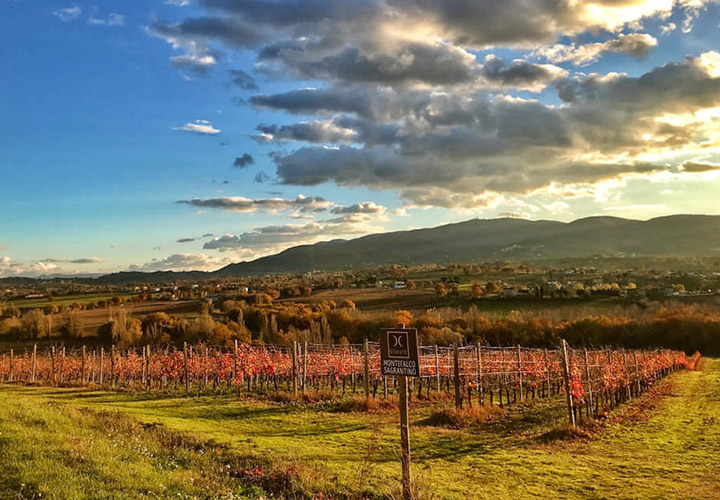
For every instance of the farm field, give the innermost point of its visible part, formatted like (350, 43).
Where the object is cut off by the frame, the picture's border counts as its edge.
(380, 300)
(92, 319)
(665, 444)
(66, 300)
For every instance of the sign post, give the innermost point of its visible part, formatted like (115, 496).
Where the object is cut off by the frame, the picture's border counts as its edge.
(400, 357)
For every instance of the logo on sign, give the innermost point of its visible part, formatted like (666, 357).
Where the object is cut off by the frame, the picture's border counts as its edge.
(398, 345)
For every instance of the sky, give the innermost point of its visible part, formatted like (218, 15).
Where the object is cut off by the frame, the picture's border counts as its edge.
(189, 134)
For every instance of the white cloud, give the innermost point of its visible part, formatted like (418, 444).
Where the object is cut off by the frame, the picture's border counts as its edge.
(68, 14)
(556, 207)
(637, 45)
(182, 262)
(668, 28)
(113, 19)
(199, 127)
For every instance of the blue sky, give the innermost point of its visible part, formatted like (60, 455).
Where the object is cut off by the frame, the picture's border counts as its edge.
(101, 133)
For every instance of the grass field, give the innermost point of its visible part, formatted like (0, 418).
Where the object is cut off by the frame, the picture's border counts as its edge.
(665, 444)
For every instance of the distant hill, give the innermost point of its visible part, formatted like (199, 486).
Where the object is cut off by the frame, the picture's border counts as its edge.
(503, 239)
(475, 240)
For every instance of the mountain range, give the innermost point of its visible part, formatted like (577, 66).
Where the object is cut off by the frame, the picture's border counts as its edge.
(478, 240)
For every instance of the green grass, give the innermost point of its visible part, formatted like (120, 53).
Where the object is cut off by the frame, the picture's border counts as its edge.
(56, 451)
(657, 447)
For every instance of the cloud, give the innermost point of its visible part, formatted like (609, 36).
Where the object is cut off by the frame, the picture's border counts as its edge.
(270, 239)
(472, 143)
(520, 74)
(243, 161)
(87, 260)
(435, 63)
(400, 100)
(113, 19)
(10, 267)
(514, 215)
(182, 262)
(302, 203)
(243, 80)
(668, 28)
(34, 269)
(698, 167)
(557, 207)
(199, 127)
(186, 240)
(327, 131)
(200, 64)
(68, 14)
(261, 177)
(365, 207)
(637, 45)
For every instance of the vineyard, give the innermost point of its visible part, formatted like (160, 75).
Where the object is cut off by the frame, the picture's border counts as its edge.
(593, 381)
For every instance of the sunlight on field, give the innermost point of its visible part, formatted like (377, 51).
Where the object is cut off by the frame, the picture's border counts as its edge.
(649, 452)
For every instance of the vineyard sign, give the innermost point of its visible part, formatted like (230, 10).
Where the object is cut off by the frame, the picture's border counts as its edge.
(399, 352)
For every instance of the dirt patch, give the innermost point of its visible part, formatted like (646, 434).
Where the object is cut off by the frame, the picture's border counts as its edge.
(565, 434)
(466, 417)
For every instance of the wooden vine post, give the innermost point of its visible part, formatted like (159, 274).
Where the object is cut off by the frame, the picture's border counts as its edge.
(366, 351)
(52, 354)
(34, 361)
(548, 380)
(589, 382)
(305, 363)
(112, 365)
(400, 357)
(437, 368)
(520, 372)
(235, 362)
(456, 376)
(566, 378)
(148, 379)
(186, 372)
(294, 368)
(62, 365)
(480, 385)
(83, 365)
(10, 369)
(352, 369)
(102, 364)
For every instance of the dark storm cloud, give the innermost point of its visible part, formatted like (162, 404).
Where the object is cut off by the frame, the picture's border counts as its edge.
(520, 74)
(316, 131)
(698, 167)
(243, 161)
(243, 80)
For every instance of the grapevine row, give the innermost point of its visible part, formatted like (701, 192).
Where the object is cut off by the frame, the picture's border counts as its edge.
(594, 380)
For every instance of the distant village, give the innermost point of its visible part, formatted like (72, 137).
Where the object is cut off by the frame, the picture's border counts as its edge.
(492, 281)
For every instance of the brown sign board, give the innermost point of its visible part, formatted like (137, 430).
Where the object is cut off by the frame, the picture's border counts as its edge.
(399, 352)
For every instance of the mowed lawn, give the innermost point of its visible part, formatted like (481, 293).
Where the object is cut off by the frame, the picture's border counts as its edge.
(665, 445)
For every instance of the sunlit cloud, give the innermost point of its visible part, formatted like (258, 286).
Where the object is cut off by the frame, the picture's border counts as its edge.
(203, 127)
